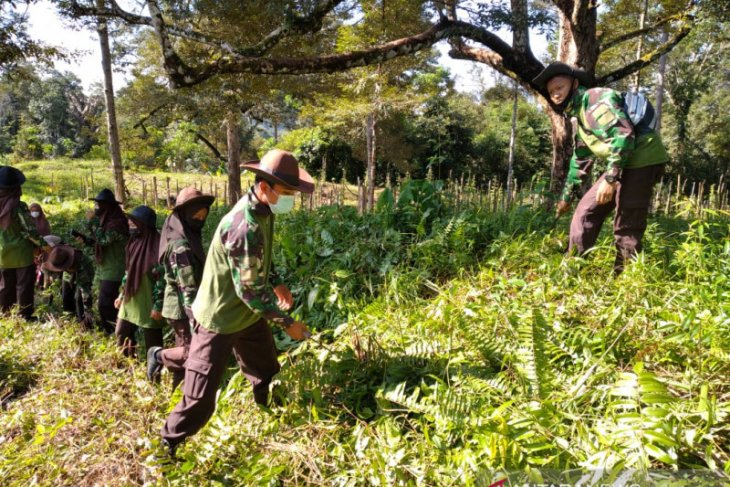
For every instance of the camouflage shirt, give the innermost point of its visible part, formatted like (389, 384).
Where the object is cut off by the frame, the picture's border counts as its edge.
(84, 277)
(182, 276)
(236, 278)
(111, 267)
(605, 132)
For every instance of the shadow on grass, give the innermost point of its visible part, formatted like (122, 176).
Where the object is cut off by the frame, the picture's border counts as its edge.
(16, 379)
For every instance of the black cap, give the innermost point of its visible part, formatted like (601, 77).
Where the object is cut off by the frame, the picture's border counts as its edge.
(561, 69)
(144, 215)
(11, 177)
(105, 196)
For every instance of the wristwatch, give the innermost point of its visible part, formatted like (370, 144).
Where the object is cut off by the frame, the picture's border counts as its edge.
(613, 176)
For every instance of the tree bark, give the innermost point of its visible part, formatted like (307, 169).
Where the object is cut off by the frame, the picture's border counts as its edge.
(659, 105)
(370, 126)
(233, 125)
(512, 140)
(640, 44)
(562, 139)
(111, 112)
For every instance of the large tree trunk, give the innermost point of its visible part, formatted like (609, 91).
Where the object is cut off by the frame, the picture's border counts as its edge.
(233, 125)
(577, 45)
(562, 138)
(111, 112)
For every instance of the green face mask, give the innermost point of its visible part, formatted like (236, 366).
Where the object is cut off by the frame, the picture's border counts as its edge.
(284, 204)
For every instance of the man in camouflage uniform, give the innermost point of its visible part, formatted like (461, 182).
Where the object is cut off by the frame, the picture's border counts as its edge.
(73, 262)
(19, 242)
(182, 256)
(634, 162)
(232, 313)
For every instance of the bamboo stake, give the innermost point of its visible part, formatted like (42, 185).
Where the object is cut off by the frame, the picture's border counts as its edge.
(168, 202)
(154, 191)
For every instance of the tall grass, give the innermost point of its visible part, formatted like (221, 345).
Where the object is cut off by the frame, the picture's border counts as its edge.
(454, 345)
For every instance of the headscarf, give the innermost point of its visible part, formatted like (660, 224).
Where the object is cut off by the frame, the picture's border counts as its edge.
(112, 218)
(41, 223)
(9, 201)
(141, 256)
(176, 227)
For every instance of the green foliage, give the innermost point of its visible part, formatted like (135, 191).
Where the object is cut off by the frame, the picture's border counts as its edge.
(451, 349)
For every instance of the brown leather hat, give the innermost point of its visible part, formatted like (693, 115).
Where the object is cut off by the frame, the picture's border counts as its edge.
(280, 166)
(62, 258)
(191, 195)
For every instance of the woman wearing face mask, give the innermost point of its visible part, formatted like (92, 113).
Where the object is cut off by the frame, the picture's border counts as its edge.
(19, 241)
(40, 220)
(140, 302)
(108, 231)
(182, 255)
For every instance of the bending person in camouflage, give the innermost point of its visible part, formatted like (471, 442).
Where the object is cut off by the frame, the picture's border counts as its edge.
(236, 299)
(634, 162)
(182, 256)
(71, 261)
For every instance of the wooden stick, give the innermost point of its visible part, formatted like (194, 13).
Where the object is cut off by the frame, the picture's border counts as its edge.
(154, 191)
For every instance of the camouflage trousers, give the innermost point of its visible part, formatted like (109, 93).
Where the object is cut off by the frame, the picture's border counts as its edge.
(631, 202)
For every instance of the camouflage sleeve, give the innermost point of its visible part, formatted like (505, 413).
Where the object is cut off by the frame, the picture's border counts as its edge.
(85, 278)
(181, 263)
(610, 124)
(244, 244)
(105, 238)
(575, 174)
(157, 273)
(27, 229)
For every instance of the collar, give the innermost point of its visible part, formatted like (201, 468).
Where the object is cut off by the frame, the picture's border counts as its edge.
(575, 101)
(257, 206)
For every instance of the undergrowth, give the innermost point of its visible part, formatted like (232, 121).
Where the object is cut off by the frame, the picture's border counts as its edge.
(452, 347)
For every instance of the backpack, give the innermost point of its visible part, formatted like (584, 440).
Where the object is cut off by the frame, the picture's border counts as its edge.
(640, 110)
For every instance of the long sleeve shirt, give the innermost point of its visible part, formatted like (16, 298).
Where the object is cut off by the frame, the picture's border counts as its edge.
(605, 132)
(236, 278)
(182, 275)
(19, 240)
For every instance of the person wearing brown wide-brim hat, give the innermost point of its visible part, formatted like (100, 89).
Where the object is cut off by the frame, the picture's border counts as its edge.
(19, 242)
(71, 261)
(241, 297)
(182, 256)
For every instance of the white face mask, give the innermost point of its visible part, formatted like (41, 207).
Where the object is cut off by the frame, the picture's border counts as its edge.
(284, 204)
(35, 214)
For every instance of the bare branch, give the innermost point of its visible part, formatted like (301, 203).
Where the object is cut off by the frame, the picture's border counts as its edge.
(294, 25)
(647, 59)
(182, 75)
(639, 32)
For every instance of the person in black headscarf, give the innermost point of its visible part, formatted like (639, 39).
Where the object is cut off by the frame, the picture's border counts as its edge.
(182, 255)
(140, 302)
(108, 232)
(19, 241)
